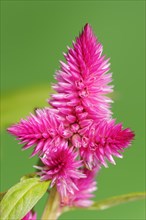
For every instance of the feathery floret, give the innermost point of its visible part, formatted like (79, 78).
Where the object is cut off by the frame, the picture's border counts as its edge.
(62, 168)
(44, 130)
(104, 140)
(86, 187)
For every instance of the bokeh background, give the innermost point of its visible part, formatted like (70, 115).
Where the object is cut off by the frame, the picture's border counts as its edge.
(34, 35)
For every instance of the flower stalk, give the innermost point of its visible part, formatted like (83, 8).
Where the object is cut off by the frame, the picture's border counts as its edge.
(52, 209)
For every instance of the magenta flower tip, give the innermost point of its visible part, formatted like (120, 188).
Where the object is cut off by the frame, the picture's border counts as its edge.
(30, 216)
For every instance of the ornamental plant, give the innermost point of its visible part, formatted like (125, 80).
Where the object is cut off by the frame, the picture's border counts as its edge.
(73, 138)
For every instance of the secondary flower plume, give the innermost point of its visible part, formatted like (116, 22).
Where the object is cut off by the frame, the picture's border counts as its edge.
(86, 186)
(77, 135)
(104, 141)
(62, 167)
(44, 130)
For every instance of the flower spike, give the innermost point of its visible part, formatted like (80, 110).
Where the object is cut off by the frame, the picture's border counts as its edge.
(83, 80)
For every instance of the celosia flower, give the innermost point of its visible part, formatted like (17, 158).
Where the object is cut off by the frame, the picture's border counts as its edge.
(103, 141)
(62, 168)
(44, 130)
(78, 131)
(83, 81)
(30, 216)
(86, 187)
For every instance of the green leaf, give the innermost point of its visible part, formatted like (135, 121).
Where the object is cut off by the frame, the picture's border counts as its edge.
(22, 197)
(18, 104)
(28, 176)
(113, 201)
(2, 195)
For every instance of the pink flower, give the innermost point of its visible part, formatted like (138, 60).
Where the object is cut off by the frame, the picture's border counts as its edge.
(82, 196)
(83, 80)
(78, 133)
(62, 168)
(44, 130)
(102, 141)
(30, 216)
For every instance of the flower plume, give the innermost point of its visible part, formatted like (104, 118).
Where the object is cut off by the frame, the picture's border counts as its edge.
(83, 80)
(77, 135)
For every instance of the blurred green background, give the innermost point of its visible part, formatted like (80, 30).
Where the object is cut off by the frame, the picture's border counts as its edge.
(34, 35)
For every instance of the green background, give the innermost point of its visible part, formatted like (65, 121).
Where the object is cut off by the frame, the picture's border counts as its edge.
(34, 35)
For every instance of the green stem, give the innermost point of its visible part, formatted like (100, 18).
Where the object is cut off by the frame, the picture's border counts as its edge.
(110, 202)
(52, 208)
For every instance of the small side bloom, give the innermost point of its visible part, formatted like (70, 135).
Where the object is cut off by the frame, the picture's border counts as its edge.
(44, 130)
(30, 216)
(62, 168)
(103, 141)
(86, 187)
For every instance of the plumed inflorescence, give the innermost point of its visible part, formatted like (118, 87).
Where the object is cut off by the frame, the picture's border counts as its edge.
(77, 135)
